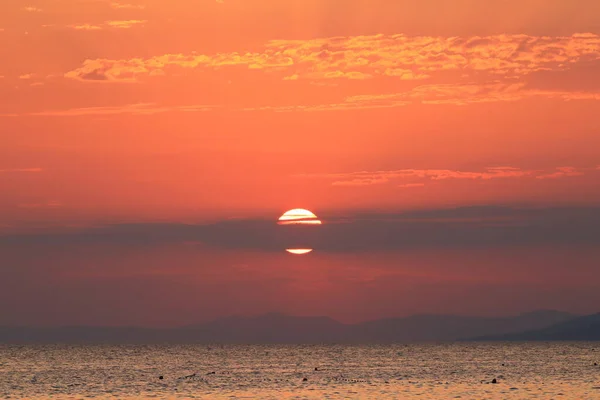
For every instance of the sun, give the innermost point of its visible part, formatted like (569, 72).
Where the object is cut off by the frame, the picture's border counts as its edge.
(299, 216)
(299, 252)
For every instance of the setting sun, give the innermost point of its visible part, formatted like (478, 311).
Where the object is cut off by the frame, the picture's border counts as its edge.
(299, 216)
(299, 251)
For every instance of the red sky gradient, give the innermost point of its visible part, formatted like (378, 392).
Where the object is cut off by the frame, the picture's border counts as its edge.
(117, 112)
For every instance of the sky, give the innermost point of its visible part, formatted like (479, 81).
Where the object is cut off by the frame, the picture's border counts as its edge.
(148, 147)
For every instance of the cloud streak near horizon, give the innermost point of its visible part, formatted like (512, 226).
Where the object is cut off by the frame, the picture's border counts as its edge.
(461, 228)
(117, 24)
(127, 109)
(458, 95)
(8, 170)
(367, 178)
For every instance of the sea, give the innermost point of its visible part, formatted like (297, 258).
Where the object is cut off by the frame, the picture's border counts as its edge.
(426, 371)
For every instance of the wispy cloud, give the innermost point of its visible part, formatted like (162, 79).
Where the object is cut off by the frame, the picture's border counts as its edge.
(117, 24)
(341, 106)
(49, 204)
(435, 228)
(32, 9)
(561, 172)
(368, 178)
(85, 27)
(399, 56)
(489, 67)
(461, 94)
(437, 94)
(131, 109)
(357, 75)
(125, 24)
(119, 6)
(458, 95)
(362, 180)
(8, 170)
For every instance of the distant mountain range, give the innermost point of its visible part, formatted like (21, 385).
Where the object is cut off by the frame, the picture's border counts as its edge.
(581, 328)
(280, 328)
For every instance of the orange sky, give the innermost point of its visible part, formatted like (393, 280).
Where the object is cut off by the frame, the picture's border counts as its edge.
(154, 109)
(120, 111)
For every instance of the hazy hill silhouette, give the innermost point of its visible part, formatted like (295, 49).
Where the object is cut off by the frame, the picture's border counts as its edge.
(447, 327)
(280, 328)
(268, 328)
(582, 328)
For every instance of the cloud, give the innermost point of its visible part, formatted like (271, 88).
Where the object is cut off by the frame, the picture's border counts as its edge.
(85, 27)
(120, 6)
(561, 172)
(362, 181)
(103, 70)
(437, 94)
(49, 277)
(343, 106)
(405, 74)
(393, 56)
(368, 178)
(125, 24)
(117, 24)
(452, 94)
(32, 9)
(132, 69)
(466, 93)
(50, 204)
(7, 170)
(347, 75)
(469, 227)
(457, 94)
(130, 109)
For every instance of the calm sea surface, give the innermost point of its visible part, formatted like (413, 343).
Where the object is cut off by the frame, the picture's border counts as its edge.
(523, 371)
